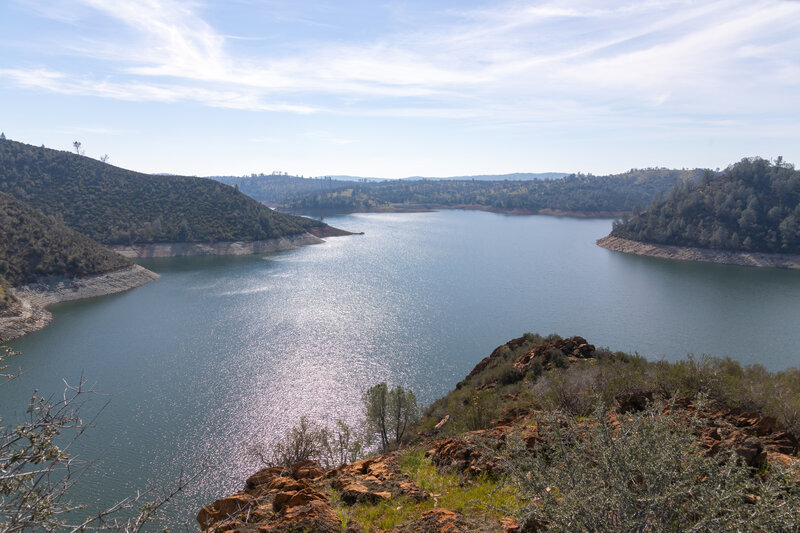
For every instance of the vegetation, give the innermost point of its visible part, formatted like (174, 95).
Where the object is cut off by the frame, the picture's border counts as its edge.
(485, 496)
(116, 206)
(33, 245)
(645, 473)
(388, 413)
(753, 206)
(309, 440)
(37, 472)
(581, 387)
(278, 189)
(575, 193)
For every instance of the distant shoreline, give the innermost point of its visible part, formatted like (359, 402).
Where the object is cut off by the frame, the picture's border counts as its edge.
(685, 253)
(28, 313)
(467, 207)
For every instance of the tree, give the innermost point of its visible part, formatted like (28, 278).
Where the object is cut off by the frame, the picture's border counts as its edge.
(2, 136)
(77, 145)
(104, 158)
(388, 413)
(37, 472)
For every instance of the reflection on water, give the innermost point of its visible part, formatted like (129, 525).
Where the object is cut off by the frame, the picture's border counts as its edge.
(222, 352)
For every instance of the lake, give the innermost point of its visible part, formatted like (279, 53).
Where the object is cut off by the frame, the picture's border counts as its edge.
(224, 352)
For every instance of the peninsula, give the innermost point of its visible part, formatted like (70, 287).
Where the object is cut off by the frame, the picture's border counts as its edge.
(748, 215)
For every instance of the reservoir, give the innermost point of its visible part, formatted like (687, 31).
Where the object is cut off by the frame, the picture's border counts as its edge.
(222, 353)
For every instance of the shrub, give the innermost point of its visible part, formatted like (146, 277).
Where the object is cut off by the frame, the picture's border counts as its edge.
(646, 475)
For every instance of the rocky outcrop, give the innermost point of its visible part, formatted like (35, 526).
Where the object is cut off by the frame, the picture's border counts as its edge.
(685, 253)
(279, 499)
(28, 313)
(175, 249)
(439, 521)
(549, 353)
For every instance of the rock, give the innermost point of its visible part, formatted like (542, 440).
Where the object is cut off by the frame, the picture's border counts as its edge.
(574, 347)
(353, 492)
(751, 450)
(374, 480)
(224, 509)
(306, 470)
(316, 516)
(295, 498)
(438, 521)
(264, 476)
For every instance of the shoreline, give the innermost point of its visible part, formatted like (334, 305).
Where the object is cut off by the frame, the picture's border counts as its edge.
(29, 309)
(686, 253)
(176, 249)
(466, 207)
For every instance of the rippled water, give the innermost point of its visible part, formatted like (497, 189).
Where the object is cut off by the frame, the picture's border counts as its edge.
(221, 353)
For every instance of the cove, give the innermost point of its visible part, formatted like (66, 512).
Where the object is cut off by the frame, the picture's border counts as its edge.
(223, 352)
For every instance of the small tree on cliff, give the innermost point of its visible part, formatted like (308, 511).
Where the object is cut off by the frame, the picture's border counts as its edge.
(388, 413)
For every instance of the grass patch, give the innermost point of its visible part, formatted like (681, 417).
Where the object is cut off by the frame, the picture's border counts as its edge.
(481, 498)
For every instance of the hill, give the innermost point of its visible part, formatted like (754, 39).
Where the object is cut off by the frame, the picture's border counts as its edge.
(753, 206)
(33, 245)
(275, 189)
(117, 206)
(553, 434)
(574, 194)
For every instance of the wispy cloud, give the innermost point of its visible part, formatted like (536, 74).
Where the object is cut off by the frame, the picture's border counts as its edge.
(526, 60)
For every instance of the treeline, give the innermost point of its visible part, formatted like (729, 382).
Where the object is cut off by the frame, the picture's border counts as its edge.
(574, 193)
(753, 206)
(277, 189)
(117, 206)
(33, 245)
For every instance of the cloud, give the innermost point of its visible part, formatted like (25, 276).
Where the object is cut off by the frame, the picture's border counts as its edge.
(521, 60)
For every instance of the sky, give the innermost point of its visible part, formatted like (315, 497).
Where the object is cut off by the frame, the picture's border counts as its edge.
(400, 88)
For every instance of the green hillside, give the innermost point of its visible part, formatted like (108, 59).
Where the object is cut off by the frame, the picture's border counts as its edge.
(117, 206)
(575, 193)
(33, 245)
(753, 206)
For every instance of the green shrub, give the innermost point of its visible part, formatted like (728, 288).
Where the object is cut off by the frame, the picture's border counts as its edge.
(647, 475)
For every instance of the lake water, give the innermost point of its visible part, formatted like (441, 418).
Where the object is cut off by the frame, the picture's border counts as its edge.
(224, 352)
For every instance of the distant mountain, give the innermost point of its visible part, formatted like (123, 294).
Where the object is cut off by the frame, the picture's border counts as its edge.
(33, 245)
(117, 206)
(753, 206)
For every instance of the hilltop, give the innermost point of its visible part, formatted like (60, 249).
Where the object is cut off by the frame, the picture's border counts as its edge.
(116, 206)
(553, 434)
(748, 215)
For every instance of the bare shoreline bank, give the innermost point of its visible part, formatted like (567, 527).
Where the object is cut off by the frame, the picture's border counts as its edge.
(174, 249)
(681, 253)
(28, 313)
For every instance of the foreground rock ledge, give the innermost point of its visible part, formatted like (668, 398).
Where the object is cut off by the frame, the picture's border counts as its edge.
(28, 313)
(685, 253)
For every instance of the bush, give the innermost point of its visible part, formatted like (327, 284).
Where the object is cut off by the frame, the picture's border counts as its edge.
(309, 440)
(646, 475)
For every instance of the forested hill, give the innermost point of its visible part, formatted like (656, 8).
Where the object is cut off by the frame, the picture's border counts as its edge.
(753, 206)
(117, 206)
(279, 189)
(33, 245)
(574, 194)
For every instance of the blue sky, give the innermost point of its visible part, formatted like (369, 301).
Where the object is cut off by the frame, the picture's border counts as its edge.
(393, 89)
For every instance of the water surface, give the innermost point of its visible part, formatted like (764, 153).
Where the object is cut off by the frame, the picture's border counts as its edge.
(223, 352)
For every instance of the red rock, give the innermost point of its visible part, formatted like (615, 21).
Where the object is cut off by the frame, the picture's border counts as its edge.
(438, 521)
(225, 508)
(316, 516)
